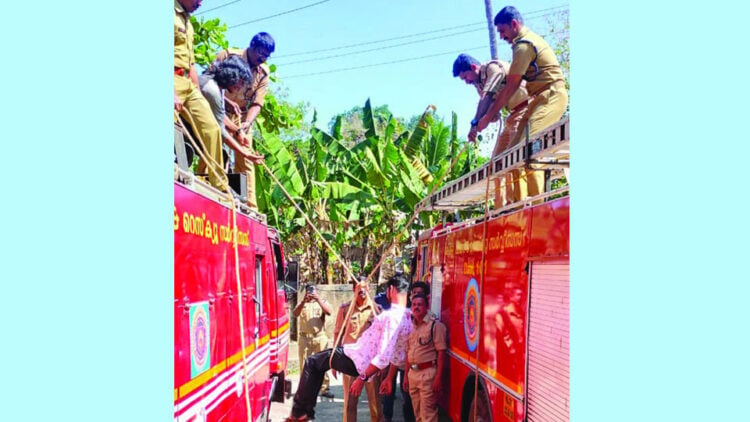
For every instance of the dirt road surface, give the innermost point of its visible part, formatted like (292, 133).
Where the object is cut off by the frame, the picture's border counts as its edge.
(328, 410)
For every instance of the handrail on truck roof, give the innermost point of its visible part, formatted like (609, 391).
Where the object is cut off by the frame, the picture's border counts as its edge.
(196, 184)
(546, 150)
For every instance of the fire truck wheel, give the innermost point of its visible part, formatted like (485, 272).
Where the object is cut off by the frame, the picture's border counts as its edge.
(483, 410)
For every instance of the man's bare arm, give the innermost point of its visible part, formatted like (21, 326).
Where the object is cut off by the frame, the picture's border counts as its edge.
(250, 116)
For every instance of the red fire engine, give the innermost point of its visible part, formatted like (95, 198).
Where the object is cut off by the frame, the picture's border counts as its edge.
(500, 284)
(214, 318)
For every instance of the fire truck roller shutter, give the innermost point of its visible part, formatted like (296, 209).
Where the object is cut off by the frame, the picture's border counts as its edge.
(548, 393)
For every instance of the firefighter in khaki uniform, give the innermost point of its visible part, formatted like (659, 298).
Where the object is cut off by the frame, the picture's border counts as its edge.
(312, 311)
(489, 79)
(245, 104)
(361, 318)
(425, 361)
(188, 100)
(535, 62)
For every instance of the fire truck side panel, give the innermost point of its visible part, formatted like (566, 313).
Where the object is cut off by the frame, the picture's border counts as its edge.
(512, 242)
(550, 233)
(208, 352)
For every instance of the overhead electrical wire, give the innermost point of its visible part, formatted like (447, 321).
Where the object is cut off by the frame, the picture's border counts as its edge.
(385, 63)
(379, 41)
(534, 15)
(217, 7)
(394, 61)
(279, 14)
(379, 48)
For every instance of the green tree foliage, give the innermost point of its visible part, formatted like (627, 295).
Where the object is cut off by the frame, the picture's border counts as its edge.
(558, 37)
(208, 39)
(358, 191)
(358, 182)
(352, 124)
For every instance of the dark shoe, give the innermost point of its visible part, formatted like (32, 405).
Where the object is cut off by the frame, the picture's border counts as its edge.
(327, 395)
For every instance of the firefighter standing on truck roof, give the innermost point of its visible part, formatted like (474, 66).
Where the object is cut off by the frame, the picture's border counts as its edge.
(312, 311)
(425, 361)
(535, 62)
(188, 100)
(361, 318)
(245, 104)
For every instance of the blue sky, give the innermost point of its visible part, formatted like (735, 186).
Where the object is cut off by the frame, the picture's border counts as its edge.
(406, 87)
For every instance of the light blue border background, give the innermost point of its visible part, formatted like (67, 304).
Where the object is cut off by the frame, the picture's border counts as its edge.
(87, 204)
(659, 299)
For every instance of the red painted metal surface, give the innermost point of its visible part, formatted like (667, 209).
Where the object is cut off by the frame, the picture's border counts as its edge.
(496, 329)
(208, 376)
(549, 374)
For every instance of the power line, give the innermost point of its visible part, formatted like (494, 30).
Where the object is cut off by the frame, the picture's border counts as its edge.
(379, 48)
(385, 63)
(400, 61)
(536, 14)
(381, 40)
(279, 14)
(217, 7)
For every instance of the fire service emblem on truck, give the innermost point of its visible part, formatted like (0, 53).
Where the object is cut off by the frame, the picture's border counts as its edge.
(200, 335)
(471, 315)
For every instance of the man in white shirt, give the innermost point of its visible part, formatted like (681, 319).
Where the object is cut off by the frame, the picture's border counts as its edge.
(382, 344)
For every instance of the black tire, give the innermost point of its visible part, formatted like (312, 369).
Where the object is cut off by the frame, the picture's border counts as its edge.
(483, 410)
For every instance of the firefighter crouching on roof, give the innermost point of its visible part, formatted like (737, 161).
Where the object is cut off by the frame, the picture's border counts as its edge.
(425, 361)
(361, 318)
(312, 311)
(489, 79)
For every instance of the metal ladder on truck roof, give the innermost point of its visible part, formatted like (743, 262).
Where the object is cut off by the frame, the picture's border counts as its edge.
(546, 150)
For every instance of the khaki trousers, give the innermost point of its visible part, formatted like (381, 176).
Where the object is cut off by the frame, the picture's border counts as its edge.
(516, 184)
(423, 399)
(373, 400)
(197, 111)
(243, 165)
(309, 344)
(545, 109)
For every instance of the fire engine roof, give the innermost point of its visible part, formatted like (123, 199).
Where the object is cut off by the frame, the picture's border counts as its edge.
(548, 150)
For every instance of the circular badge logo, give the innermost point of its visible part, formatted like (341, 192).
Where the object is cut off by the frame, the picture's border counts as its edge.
(471, 315)
(199, 327)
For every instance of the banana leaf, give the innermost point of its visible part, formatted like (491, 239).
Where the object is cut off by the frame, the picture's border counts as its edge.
(368, 119)
(282, 164)
(420, 132)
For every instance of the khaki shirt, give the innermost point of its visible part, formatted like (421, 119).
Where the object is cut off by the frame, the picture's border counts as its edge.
(426, 350)
(183, 38)
(548, 68)
(360, 320)
(492, 79)
(312, 319)
(255, 93)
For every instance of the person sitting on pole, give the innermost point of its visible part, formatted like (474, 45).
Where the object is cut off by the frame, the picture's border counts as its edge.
(360, 318)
